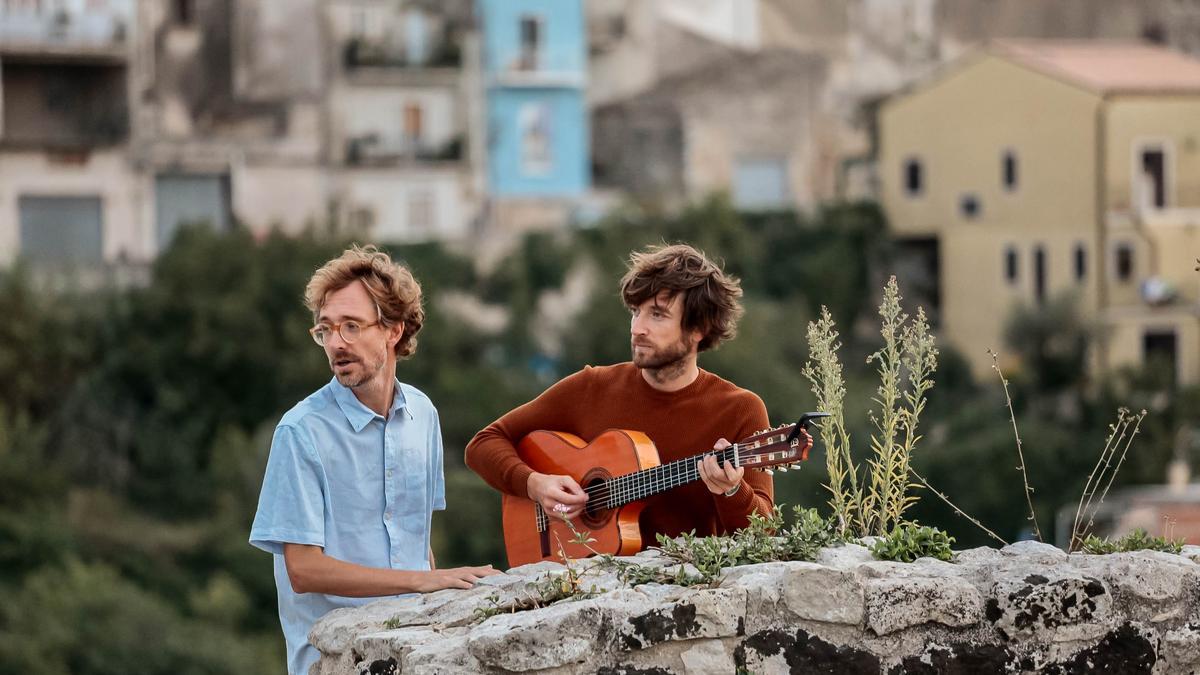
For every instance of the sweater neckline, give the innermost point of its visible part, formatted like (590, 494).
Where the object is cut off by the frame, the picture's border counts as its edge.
(693, 386)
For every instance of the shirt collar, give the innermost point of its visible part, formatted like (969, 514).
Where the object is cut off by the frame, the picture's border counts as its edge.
(358, 414)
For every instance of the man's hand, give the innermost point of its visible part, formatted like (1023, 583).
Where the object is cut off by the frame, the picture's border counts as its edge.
(717, 478)
(558, 495)
(454, 577)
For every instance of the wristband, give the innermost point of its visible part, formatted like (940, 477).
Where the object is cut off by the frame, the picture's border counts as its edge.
(733, 491)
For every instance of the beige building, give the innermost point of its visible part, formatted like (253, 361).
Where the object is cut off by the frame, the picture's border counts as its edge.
(1036, 168)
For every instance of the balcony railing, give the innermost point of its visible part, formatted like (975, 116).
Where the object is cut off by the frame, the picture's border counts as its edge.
(363, 53)
(63, 30)
(370, 149)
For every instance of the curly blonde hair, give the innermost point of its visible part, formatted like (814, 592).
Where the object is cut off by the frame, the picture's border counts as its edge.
(711, 298)
(396, 294)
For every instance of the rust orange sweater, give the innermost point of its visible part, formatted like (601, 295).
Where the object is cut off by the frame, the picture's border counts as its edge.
(681, 424)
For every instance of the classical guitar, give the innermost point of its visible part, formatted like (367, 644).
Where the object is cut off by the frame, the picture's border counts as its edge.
(618, 470)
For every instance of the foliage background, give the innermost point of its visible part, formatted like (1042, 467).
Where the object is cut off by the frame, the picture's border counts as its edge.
(135, 423)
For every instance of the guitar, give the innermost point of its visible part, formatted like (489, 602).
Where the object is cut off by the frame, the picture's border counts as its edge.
(618, 470)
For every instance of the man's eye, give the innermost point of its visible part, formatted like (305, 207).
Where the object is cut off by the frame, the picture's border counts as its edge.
(351, 327)
(324, 328)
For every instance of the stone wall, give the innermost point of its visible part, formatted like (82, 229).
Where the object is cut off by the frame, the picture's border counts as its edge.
(1028, 607)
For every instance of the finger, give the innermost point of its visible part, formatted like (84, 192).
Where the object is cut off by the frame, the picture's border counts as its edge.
(721, 444)
(732, 473)
(566, 495)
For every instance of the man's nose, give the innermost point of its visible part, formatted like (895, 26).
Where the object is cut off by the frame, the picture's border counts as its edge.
(637, 326)
(335, 340)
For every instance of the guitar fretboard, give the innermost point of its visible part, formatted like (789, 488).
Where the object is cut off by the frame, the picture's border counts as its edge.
(631, 487)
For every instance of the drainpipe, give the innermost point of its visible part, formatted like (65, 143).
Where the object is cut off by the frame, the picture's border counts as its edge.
(1101, 207)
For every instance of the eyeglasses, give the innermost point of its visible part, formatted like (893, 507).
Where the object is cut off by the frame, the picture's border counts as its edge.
(349, 330)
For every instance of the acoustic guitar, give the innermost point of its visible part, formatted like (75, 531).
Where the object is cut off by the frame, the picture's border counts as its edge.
(618, 470)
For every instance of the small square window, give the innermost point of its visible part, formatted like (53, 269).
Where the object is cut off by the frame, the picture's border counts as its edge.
(969, 206)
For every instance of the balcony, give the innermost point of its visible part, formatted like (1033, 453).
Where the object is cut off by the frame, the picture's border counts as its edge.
(67, 106)
(66, 32)
(363, 53)
(372, 150)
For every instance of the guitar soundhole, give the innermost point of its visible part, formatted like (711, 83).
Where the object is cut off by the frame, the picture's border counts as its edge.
(594, 513)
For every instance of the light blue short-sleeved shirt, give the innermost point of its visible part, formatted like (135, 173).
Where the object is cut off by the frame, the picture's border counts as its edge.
(364, 488)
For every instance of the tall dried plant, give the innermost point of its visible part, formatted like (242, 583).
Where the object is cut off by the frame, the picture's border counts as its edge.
(905, 365)
(824, 372)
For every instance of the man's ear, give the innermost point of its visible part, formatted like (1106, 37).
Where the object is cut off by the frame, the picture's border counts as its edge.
(395, 332)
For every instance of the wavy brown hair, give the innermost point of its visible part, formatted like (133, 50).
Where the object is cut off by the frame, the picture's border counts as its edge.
(396, 293)
(711, 298)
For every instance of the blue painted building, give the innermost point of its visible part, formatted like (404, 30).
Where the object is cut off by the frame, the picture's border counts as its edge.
(535, 71)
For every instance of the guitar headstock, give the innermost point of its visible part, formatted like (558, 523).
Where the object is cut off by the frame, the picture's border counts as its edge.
(782, 446)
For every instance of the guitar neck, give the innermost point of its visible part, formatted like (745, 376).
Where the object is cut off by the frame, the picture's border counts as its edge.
(646, 483)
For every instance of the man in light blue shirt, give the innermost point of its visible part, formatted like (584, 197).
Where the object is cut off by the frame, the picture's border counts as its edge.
(355, 469)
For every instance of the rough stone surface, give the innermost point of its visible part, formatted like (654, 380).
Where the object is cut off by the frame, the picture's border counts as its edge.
(1028, 607)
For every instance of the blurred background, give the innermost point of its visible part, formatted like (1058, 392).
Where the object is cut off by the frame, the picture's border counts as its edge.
(172, 171)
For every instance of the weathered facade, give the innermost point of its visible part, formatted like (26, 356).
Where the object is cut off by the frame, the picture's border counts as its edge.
(1050, 168)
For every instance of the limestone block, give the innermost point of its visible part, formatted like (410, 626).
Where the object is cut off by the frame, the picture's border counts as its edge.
(1181, 650)
(983, 555)
(1042, 603)
(696, 613)
(447, 655)
(335, 632)
(1146, 575)
(848, 556)
(801, 590)
(897, 603)
(559, 635)
(708, 658)
(1035, 551)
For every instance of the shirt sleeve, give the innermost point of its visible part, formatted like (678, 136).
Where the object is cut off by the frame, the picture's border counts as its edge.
(291, 506)
(757, 492)
(493, 454)
(437, 471)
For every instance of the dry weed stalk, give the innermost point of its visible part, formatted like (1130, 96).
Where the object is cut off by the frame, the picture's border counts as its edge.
(1020, 452)
(1104, 469)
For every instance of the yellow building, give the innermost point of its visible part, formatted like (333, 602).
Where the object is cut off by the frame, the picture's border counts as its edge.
(1034, 168)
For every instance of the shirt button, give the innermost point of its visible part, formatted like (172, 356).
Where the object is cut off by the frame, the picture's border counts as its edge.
(388, 515)
(389, 473)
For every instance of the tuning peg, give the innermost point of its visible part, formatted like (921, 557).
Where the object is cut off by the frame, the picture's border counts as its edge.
(783, 469)
(769, 472)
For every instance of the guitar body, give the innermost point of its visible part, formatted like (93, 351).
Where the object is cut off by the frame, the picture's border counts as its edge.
(616, 531)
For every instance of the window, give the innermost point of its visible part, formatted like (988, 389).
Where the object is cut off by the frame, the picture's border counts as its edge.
(1039, 274)
(1153, 185)
(531, 43)
(1080, 262)
(1160, 352)
(56, 229)
(413, 119)
(181, 199)
(536, 132)
(1124, 261)
(969, 207)
(421, 213)
(1010, 265)
(761, 183)
(1008, 170)
(183, 12)
(416, 42)
(913, 177)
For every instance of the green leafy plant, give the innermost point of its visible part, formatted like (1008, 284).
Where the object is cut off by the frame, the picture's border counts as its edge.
(1138, 540)
(908, 541)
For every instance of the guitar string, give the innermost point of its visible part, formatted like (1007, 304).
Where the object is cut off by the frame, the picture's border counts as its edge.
(621, 490)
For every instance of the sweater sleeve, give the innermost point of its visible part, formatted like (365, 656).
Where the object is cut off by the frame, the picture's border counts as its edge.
(492, 453)
(757, 493)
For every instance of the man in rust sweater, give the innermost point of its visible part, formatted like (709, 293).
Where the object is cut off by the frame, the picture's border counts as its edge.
(681, 304)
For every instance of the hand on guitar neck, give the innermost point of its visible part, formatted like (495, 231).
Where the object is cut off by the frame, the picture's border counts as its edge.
(559, 495)
(720, 478)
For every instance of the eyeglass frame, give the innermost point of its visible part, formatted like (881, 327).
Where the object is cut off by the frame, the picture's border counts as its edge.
(336, 326)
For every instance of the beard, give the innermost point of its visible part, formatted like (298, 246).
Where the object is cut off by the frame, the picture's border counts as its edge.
(358, 370)
(668, 359)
